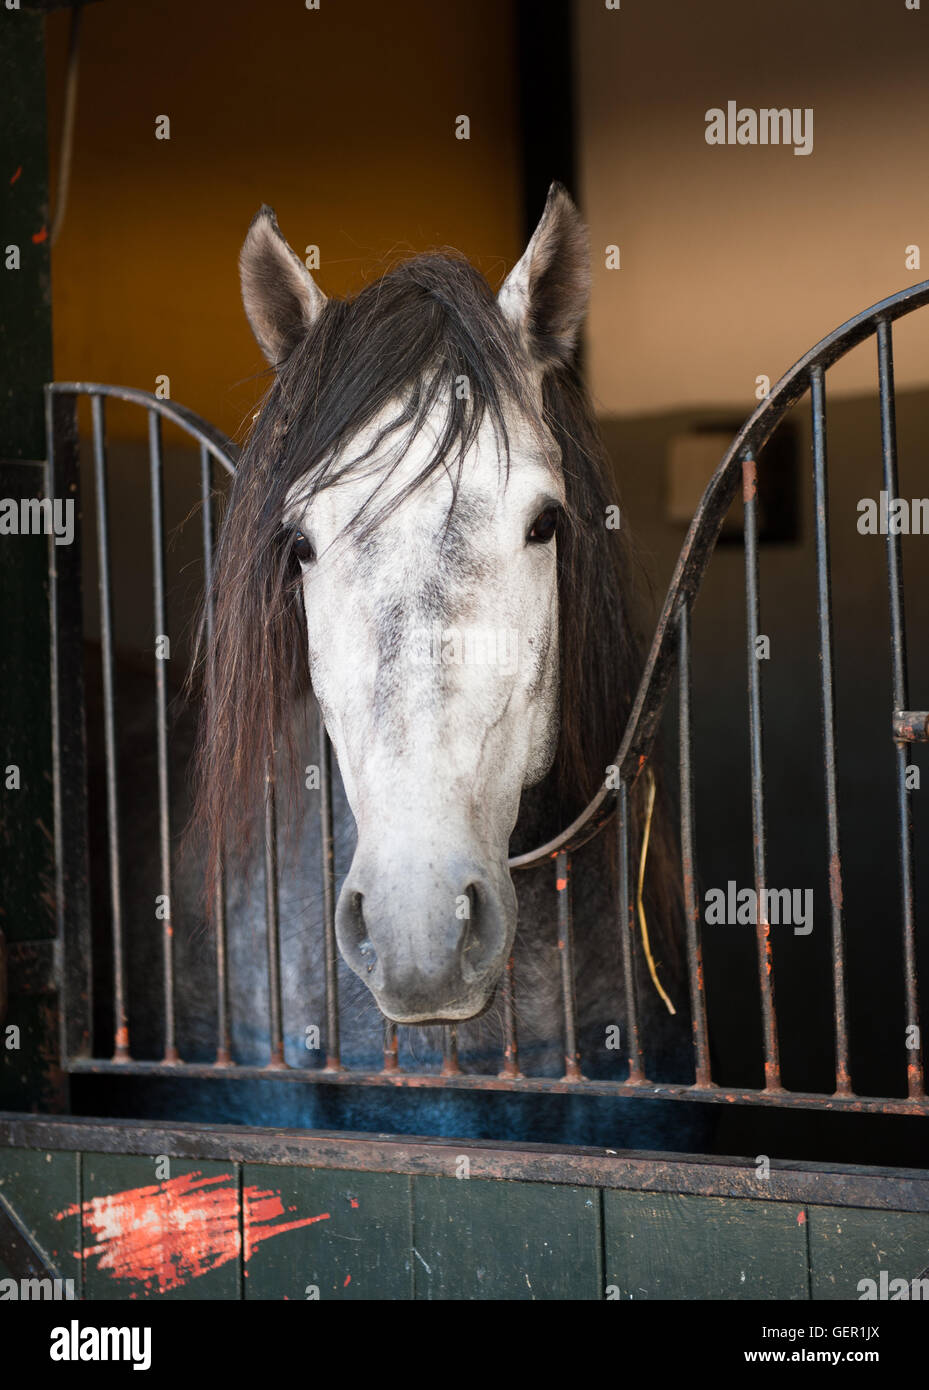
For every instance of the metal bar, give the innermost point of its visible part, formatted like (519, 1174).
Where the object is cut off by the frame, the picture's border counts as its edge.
(69, 752)
(637, 1075)
(772, 1067)
(272, 920)
(470, 1081)
(911, 725)
(333, 1047)
(901, 701)
(161, 725)
(450, 1065)
(843, 1082)
(688, 864)
(566, 951)
(391, 1048)
(510, 1043)
(223, 1056)
(120, 1007)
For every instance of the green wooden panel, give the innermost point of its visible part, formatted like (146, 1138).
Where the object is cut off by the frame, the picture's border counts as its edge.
(664, 1245)
(40, 1187)
(174, 1238)
(354, 1242)
(848, 1244)
(476, 1239)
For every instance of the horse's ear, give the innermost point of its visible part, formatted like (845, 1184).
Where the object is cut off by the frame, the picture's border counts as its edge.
(281, 298)
(545, 295)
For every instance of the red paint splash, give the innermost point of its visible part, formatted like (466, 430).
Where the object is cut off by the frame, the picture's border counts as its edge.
(17, 174)
(39, 237)
(801, 1218)
(348, 1280)
(171, 1232)
(354, 1202)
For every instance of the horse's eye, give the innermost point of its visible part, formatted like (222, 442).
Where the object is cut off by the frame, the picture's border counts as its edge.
(303, 548)
(543, 528)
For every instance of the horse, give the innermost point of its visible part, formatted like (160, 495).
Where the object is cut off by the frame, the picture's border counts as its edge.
(419, 551)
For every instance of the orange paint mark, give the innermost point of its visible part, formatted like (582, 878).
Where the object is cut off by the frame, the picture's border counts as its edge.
(354, 1202)
(39, 237)
(801, 1218)
(348, 1280)
(561, 884)
(167, 1234)
(16, 175)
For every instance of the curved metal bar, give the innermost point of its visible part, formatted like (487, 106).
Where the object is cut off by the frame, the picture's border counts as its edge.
(222, 449)
(694, 557)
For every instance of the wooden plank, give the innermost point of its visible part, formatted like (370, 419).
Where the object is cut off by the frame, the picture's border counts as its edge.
(851, 1245)
(36, 1187)
(802, 1183)
(351, 1235)
(493, 1240)
(676, 1247)
(153, 1232)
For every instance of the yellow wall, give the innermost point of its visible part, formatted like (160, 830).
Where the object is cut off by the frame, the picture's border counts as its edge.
(342, 119)
(737, 259)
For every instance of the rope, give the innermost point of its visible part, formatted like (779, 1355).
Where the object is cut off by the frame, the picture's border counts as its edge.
(640, 906)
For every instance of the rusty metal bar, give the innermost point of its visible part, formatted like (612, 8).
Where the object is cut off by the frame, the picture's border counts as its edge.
(470, 1081)
(391, 1049)
(161, 726)
(911, 725)
(223, 1056)
(120, 1000)
(688, 863)
(772, 1066)
(272, 920)
(843, 1081)
(637, 1075)
(901, 701)
(566, 951)
(510, 1044)
(450, 1065)
(333, 1046)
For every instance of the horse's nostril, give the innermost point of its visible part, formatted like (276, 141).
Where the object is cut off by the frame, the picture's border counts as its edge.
(358, 941)
(481, 939)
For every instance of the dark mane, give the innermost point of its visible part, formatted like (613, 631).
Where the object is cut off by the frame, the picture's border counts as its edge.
(407, 340)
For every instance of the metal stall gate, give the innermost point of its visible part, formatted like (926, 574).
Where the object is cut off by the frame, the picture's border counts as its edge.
(594, 1202)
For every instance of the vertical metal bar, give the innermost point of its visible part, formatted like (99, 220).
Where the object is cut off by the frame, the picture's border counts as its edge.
(566, 951)
(120, 1010)
(688, 865)
(450, 1065)
(627, 937)
(843, 1083)
(391, 1048)
(272, 920)
(69, 754)
(510, 1043)
(772, 1066)
(901, 702)
(161, 725)
(223, 1056)
(333, 1047)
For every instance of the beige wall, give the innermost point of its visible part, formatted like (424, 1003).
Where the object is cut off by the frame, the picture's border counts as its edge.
(736, 259)
(342, 119)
